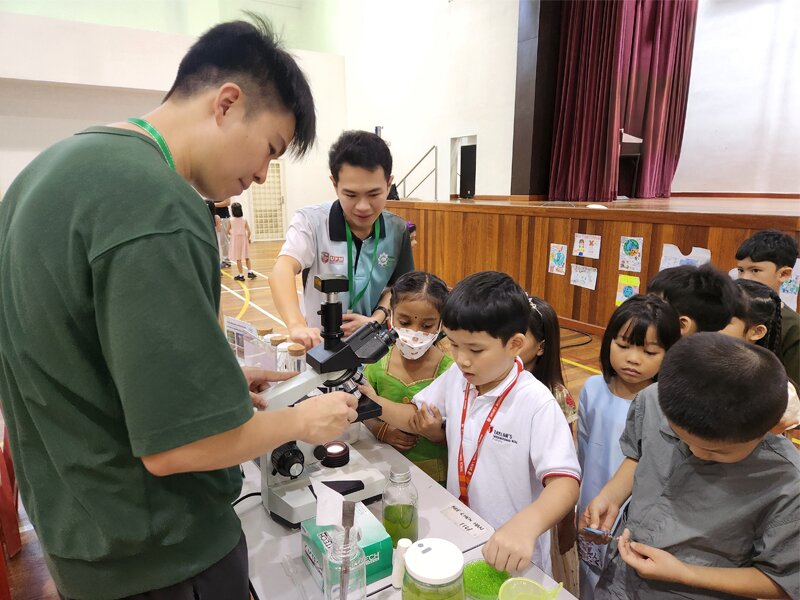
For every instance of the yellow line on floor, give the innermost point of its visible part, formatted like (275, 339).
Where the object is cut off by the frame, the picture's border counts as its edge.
(246, 295)
(580, 366)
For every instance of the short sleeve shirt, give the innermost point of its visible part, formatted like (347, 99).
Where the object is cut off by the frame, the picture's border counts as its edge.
(529, 441)
(111, 350)
(743, 514)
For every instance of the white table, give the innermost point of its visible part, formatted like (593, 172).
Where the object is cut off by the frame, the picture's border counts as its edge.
(274, 551)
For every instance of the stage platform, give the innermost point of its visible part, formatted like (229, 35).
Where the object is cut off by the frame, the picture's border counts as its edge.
(458, 237)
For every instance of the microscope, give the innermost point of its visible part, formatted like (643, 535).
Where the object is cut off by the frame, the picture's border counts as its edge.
(288, 472)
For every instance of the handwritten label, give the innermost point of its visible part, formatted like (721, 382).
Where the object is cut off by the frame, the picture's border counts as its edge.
(464, 521)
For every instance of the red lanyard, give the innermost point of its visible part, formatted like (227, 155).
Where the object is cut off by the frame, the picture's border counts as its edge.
(465, 476)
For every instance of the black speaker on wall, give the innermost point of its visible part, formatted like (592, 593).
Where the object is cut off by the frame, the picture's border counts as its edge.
(468, 156)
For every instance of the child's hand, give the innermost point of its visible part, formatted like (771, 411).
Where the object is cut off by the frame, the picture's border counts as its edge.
(510, 548)
(367, 390)
(652, 563)
(399, 440)
(428, 423)
(600, 514)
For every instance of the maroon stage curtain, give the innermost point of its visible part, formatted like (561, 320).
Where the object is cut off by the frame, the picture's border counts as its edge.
(588, 113)
(659, 66)
(623, 63)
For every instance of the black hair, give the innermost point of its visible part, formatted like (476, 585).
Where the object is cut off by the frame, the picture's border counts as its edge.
(251, 56)
(420, 285)
(211, 207)
(488, 301)
(769, 245)
(642, 312)
(760, 305)
(236, 210)
(723, 389)
(543, 325)
(360, 149)
(704, 294)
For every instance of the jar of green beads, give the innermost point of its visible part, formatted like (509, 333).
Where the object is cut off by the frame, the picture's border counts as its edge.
(400, 516)
(434, 571)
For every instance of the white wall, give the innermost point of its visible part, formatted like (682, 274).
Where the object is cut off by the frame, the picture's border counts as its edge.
(427, 71)
(54, 81)
(743, 118)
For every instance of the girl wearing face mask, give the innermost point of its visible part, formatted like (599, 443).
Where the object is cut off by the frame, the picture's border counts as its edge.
(412, 364)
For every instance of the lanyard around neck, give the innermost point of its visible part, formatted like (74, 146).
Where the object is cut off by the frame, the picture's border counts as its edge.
(465, 475)
(351, 276)
(156, 135)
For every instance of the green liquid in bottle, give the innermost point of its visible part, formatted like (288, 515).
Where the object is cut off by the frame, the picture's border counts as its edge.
(400, 521)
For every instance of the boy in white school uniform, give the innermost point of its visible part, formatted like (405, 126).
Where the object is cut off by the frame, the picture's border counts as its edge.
(510, 452)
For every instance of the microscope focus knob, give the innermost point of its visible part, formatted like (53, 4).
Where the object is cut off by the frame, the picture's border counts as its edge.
(288, 460)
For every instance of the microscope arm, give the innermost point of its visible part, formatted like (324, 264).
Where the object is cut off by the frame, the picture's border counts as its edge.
(290, 391)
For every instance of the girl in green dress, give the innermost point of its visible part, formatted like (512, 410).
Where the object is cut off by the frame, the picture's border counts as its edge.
(412, 364)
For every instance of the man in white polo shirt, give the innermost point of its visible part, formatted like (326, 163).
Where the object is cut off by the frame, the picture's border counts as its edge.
(353, 236)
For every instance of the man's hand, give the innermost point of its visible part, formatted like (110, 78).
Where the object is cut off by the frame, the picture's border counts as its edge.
(308, 336)
(428, 423)
(351, 322)
(326, 417)
(652, 563)
(258, 381)
(511, 547)
(601, 513)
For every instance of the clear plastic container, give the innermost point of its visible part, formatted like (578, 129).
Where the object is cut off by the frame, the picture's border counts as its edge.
(356, 572)
(482, 581)
(434, 571)
(400, 514)
(522, 588)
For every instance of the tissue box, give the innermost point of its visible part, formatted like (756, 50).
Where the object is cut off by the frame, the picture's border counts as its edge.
(375, 542)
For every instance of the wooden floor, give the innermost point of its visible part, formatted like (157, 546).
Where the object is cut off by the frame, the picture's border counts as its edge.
(252, 301)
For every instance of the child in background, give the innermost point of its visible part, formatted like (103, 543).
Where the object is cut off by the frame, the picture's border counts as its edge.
(768, 257)
(217, 220)
(541, 355)
(703, 296)
(714, 506)
(637, 337)
(412, 233)
(240, 241)
(510, 453)
(758, 320)
(412, 364)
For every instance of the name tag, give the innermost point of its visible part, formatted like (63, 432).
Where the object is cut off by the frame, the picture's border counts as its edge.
(458, 516)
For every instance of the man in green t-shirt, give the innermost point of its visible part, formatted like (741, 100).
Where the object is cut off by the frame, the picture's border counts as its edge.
(126, 409)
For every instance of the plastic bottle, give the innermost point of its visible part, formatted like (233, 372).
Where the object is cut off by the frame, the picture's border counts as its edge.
(400, 517)
(297, 358)
(434, 571)
(282, 356)
(356, 571)
(274, 342)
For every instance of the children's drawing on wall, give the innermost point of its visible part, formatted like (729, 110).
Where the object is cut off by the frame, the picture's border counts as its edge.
(557, 262)
(791, 287)
(627, 287)
(585, 277)
(586, 245)
(671, 256)
(630, 253)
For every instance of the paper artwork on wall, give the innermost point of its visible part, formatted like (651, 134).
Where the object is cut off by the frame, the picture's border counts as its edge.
(791, 287)
(630, 253)
(671, 256)
(585, 277)
(557, 262)
(627, 286)
(586, 245)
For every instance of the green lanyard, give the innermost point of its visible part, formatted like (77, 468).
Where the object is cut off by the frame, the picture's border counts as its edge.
(141, 123)
(351, 270)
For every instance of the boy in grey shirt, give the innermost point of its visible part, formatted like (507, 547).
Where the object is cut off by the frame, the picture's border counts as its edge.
(714, 497)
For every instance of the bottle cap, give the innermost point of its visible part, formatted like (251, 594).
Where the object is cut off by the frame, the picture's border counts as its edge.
(277, 340)
(434, 561)
(262, 331)
(400, 475)
(297, 350)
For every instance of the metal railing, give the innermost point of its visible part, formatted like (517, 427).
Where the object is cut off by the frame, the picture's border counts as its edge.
(434, 172)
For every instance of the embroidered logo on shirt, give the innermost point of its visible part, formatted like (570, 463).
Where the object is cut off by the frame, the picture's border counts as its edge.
(331, 258)
(384, 260)
(499, 436)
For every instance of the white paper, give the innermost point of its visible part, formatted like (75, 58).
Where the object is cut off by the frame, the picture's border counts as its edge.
(671, 256)
(457, 515)
(587, 245)
(585, 277)
(240, 336)
(329, 503)
(791, 287)
(630, 253)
